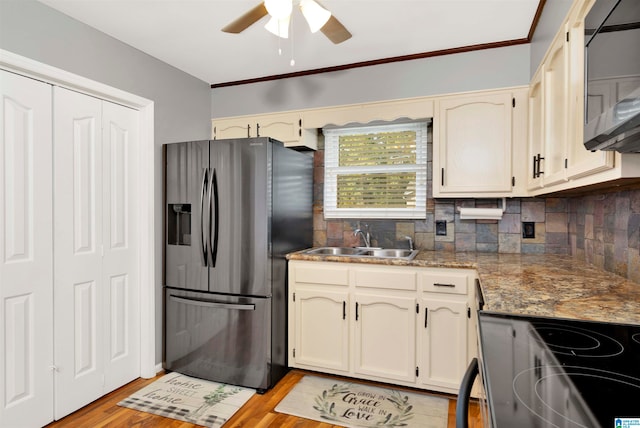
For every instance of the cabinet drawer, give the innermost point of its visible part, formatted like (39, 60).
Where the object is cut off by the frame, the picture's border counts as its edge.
(450, 282)
(316, 273)
(395, 279)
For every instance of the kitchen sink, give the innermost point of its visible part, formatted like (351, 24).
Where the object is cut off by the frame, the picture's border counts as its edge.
(386, 253)
(335, 251)
(394, 253)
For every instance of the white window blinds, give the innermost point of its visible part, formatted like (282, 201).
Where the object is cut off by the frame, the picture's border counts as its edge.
(376, 171)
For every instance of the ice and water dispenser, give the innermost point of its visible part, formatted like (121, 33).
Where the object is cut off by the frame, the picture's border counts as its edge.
(179, 224)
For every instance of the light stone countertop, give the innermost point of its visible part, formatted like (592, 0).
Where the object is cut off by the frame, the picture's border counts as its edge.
(531, 284)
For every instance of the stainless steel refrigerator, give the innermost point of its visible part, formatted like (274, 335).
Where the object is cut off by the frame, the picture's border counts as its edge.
(234, 208)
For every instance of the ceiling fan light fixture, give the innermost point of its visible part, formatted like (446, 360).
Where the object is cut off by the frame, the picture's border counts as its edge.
(279, 9)
(315, 15)
(278, 27)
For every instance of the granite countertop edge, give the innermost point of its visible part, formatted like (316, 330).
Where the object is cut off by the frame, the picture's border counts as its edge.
(530, 284)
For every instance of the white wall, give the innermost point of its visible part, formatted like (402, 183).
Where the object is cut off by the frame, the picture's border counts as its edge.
(181, 102)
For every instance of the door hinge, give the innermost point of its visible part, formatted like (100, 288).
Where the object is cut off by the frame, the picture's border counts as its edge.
(468, 312)
(513, 102)
(417, 371)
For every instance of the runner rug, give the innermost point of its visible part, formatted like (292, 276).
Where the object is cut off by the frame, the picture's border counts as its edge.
(352, 404)
(189, 399)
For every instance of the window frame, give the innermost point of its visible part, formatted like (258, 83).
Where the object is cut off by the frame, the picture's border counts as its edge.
(332, 170)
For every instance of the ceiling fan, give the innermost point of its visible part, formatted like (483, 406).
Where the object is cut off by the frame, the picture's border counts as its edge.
(280, 11)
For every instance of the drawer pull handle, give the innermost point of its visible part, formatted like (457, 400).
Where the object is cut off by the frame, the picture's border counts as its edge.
(344, 310)
(426, 316)
(438, 284)
(356, 311)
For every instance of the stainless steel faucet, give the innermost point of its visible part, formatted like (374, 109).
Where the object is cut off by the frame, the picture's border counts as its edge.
(366, 237)
(408, 238)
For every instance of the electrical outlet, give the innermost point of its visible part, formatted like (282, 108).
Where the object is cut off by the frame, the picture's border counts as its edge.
(528, 230)
(441, 227)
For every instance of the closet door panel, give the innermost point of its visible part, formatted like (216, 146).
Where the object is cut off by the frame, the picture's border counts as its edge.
(120, 140)
(78, 244)
(26, 293)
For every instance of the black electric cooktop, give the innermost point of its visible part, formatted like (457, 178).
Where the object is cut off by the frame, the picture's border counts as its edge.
(549, 372)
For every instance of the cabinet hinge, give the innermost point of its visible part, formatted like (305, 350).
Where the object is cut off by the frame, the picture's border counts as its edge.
(468, 312)
(417, 371)
(417, 308)
(513, 102)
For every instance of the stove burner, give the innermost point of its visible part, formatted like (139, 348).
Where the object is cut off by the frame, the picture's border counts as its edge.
(553, 398)
(575, 341)
(636, 337)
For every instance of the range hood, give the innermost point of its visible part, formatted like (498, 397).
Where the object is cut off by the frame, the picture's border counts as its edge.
(612, 76)
(618, 128)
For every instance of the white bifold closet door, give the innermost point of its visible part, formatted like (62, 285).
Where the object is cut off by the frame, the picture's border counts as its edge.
(26, 309)
(96, 291)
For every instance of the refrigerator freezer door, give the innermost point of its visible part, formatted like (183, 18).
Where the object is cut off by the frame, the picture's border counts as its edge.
(241, 206)
(220, 338)
(187, 215)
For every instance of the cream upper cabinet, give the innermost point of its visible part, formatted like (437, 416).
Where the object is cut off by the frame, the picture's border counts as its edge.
(232, 128)
(475, 138)
(368, 321)
(557, 157)
(536, 132)
(555, 113)
(285, 127)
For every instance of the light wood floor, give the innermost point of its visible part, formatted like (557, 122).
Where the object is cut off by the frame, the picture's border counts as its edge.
(257, 413)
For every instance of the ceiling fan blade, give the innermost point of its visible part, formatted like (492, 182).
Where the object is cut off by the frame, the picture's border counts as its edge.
(335, 31)
(246, 20)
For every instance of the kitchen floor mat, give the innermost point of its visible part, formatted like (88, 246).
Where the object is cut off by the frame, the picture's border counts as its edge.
(352, 404)
(189, 399)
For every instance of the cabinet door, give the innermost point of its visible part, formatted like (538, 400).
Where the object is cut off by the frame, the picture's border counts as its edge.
(580, 161)
(384, 336)
(443, 337)
(536, 131)
(26, 257)
(472, 146)
(233, 128)
(286, 128)
(321, 337)
(556, 113)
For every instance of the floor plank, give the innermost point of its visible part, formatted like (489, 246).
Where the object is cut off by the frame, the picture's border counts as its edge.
(258, 412)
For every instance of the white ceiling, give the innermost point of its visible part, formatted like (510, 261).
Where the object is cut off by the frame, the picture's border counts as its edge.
(186, 33)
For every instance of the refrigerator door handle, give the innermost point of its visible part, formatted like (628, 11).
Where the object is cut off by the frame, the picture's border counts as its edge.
(213, 223)
(203, 230)
(210, 304)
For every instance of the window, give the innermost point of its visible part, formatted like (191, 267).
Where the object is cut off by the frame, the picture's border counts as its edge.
(376, 171)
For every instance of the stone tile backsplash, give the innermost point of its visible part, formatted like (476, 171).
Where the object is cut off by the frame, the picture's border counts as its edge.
(602, 229)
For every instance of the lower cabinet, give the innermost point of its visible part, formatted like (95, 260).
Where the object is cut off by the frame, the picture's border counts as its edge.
(404, 325)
